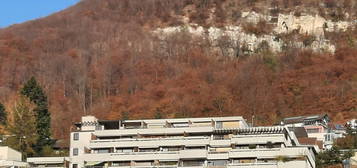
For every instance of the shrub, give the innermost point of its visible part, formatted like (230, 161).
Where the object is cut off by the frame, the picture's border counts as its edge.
(271, 61)
(307, 40)
(259, 29)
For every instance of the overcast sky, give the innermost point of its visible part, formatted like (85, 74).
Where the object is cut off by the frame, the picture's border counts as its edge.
(18, 11)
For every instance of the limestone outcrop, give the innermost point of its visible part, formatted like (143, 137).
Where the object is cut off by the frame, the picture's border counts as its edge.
(315, 26)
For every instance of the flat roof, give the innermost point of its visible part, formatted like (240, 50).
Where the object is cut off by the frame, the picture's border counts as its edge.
(181, 120)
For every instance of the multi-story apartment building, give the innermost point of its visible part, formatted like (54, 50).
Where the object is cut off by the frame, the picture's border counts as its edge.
(190, 142)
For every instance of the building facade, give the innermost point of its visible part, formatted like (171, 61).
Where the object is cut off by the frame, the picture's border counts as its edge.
(189, 142)
(316, 126)
(11, 158)
(352, 124)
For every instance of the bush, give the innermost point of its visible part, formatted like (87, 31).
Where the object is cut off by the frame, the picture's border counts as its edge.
(307, 40)
(271, 61)
(259, 29)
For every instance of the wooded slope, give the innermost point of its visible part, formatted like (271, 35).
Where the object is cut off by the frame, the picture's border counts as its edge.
(99, 57)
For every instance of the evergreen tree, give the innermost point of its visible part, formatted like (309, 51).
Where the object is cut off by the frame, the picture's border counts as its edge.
(22, 128)
(3, 114)
(34, 92)
(333, 156)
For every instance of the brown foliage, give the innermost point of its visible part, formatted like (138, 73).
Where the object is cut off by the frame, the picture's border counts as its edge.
(98, 58)
(259, 29)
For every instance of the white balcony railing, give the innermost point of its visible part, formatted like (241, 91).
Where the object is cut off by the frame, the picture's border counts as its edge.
(151, 139)
(167, 131)
(296, 152)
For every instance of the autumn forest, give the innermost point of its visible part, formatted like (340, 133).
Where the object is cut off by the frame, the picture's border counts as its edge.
(99, 58)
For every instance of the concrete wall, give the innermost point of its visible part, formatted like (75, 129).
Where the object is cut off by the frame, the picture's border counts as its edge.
(81, 143)
(9, 154)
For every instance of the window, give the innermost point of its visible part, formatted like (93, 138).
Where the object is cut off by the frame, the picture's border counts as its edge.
(219, 124)
(328, 137)
(75, 166)
(76, 136)
(99, 127)
(218, 137)
(75, 151)
(168, 163)
(149, 149)
(117, 164)
(195, 147)
(103, 150)
(124, 150)
(242, 146)
(222, 163)
(230, 124)
(312, 130)
(171, 148)
(202, 124)
(180, 125)
(191, 163)
(144, 163)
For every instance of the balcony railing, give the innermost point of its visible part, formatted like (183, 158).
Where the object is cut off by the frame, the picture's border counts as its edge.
(151, 139)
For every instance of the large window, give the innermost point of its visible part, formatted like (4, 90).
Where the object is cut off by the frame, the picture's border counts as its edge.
(103, 150)
(75, 151)
(76, 136)
(124, 150)
(75, 166)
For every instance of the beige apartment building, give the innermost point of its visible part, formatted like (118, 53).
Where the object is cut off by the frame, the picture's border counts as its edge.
(187, 142)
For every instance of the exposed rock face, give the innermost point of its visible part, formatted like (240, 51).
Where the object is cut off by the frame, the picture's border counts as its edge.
(305, 25)
(253, 17)
(312, 25)
(235, 35)
(240, 39)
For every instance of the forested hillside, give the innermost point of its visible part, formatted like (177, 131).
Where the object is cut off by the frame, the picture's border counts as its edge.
(101, 57)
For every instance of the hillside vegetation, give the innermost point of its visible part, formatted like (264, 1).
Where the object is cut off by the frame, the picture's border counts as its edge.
(101, 58)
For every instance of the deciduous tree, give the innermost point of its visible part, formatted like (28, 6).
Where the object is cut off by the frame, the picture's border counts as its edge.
(22, 127)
